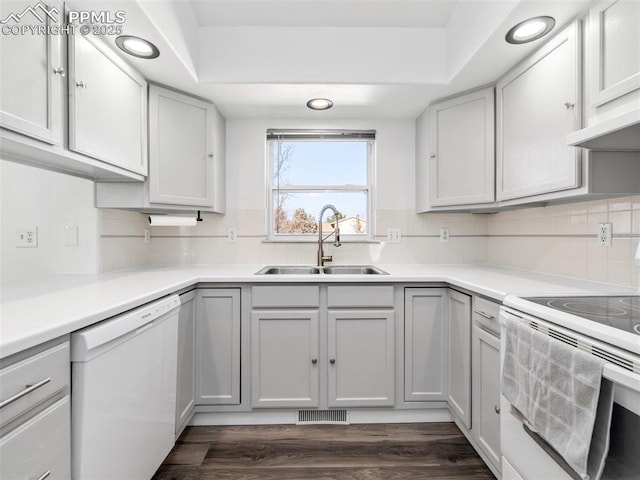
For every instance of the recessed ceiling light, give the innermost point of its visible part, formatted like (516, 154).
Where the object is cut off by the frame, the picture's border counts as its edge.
(530, 30)
(319, 104)
(136, 46)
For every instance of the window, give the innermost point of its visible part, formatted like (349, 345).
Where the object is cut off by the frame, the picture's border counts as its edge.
(309, 169)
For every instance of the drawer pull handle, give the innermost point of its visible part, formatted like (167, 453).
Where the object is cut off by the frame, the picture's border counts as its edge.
(484, 315)
(496, 409)
(314, 360)
(44, 475)
(26, 391)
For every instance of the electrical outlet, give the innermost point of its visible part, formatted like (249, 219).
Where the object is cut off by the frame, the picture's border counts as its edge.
(444, 235)
(232, 235)
(147, 235)
(604, 234)
(27, 237)
(394, 235)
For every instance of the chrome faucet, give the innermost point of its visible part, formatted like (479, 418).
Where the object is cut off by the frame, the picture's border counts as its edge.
(321, 256)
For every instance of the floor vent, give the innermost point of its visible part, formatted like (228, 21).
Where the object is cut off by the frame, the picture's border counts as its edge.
(323, 417)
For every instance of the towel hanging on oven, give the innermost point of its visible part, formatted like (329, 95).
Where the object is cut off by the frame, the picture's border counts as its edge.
(559, 391)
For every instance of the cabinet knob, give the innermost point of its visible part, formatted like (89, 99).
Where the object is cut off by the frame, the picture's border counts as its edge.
(332, 361)
(81, 84)
(569, 105)
(314, 360)
(496, 409)
(59, 71)
(432, 155)
(210, 155)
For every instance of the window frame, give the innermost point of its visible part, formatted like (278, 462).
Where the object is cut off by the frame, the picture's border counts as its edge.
(367, 136)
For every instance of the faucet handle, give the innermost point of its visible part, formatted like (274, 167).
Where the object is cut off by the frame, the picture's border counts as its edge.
(327, 258)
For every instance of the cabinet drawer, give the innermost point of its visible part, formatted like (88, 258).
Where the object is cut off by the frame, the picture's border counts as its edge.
(286, 296)
(28, 382)
(40, 445)
(485, 314)
(360, 296)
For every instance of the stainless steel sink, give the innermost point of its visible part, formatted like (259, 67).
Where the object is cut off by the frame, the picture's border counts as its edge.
(289, 270)
(333, 270)
(354, 270)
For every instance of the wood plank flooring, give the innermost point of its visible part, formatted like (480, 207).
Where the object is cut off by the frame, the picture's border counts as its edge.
(336, 452)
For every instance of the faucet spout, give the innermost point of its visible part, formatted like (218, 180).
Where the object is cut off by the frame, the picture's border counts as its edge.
(336, 231)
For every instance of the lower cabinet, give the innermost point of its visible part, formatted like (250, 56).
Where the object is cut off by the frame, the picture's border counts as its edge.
(361, 354)
(425, 344)
(186, 381)
(284, 358)
(306, 353)
(459, 371)
(35, 415)
(218, 346)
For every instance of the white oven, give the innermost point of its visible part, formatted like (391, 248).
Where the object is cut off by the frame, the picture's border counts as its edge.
(528, 458)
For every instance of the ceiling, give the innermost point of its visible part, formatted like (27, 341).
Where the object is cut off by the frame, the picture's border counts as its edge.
(373, 58)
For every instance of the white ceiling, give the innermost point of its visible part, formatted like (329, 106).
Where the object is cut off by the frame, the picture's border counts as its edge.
(373, 58)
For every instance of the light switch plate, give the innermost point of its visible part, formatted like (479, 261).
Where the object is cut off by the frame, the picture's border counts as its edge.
(394, 235)
(70, 236)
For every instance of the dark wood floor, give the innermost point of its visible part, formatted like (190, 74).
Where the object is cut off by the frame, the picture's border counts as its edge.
(336, 452)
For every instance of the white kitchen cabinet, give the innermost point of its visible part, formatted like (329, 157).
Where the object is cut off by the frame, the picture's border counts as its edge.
(613, 48)
(186, 381)
(187, 169)
(218, 347)
(181, 149)
(33, 73)
(35, 415)
(459, 364)
(107, 106)
(284, 358)
(361, 358)
(538, 104)
(486, 381)
(425, 344)
(462, 150)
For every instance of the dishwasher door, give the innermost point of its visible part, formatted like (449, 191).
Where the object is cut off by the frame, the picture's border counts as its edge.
(124, 393)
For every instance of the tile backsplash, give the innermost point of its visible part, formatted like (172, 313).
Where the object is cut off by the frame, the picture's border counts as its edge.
(558, 239)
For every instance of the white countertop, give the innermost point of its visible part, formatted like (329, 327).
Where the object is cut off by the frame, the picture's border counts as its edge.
(35, 313)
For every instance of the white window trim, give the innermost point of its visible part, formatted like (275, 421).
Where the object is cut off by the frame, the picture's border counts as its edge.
(311, 238)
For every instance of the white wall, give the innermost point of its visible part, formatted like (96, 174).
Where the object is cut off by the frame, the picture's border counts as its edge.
(32, 197)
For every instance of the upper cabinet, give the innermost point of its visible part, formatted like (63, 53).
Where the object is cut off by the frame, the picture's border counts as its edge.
(181, 133)
(32, 79)
(186, 158)
(538, 104)
(451, 172)
(462, 172)
(107, 106)
(613, 77)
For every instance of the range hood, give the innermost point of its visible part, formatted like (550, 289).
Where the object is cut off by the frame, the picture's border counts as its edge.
(621, 132)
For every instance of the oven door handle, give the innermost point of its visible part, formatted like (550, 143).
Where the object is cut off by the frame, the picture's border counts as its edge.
(620, 376)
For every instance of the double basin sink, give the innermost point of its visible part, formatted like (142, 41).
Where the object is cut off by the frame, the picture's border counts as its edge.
(332, 270)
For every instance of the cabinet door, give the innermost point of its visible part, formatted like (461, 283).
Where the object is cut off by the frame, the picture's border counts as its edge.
(460, 356)
(425, 344)
(284, 358)
(538, 104)
(614, 52)
(40, 447)
(218, 347)
(107, 106)
(486, 393)
(32, 75)
(361, 353)
(186, 381)
(181, 165)
(462, 149)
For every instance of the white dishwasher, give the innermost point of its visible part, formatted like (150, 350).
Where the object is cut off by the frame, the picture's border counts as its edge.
(124, 393)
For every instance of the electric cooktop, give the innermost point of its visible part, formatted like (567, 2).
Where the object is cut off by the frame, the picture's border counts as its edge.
(622, 313)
